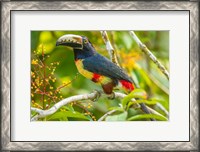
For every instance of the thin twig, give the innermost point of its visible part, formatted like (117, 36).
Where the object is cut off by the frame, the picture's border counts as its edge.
(149, 54)
(64, 85)
(109, 47)
(163, 109)
(153, 111)
(106, 114)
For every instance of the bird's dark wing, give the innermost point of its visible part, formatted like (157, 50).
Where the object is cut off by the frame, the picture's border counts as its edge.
(101, 65)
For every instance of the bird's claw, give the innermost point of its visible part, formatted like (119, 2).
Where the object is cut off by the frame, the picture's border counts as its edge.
(98, 94)
(111, 96)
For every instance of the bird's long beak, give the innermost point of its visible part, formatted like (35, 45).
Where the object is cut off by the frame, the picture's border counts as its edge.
(74, 41)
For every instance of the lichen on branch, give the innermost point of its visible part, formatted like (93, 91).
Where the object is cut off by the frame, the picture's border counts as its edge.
(109, 47)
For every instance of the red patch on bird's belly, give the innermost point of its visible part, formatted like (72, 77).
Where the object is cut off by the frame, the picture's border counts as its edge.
(96, 77)
(127, 85)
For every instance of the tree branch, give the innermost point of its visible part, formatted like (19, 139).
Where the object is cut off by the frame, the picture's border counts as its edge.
(90, 96)
(44, 113)
(109, 47)
(149, 54)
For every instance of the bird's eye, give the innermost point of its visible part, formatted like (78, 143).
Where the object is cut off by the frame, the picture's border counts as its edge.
(85, 41)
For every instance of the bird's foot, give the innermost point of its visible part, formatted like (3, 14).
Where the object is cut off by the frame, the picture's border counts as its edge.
(111, 96)
(98, 94)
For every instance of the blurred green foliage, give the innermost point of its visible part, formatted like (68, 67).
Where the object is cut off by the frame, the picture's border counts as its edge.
(144, 72)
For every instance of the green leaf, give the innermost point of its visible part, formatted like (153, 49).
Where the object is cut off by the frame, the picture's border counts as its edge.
(89, 118)
(148, 116)
(149, 102)
(137, 93)
(145, 76)
(129, 104)
(118, 117)
(65, 114)
(68, 107)
(164, 102)
(134, 76)
(116, 108)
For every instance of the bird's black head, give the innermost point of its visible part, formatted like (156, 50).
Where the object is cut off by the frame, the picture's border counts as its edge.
(81, 45)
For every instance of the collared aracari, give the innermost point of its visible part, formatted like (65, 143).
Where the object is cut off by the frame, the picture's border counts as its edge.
(96, 67)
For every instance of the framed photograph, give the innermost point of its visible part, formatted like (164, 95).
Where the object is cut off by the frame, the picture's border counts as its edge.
(99, 76)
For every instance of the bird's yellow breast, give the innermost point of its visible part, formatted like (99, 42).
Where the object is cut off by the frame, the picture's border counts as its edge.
(81, 70)
(89, 75)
